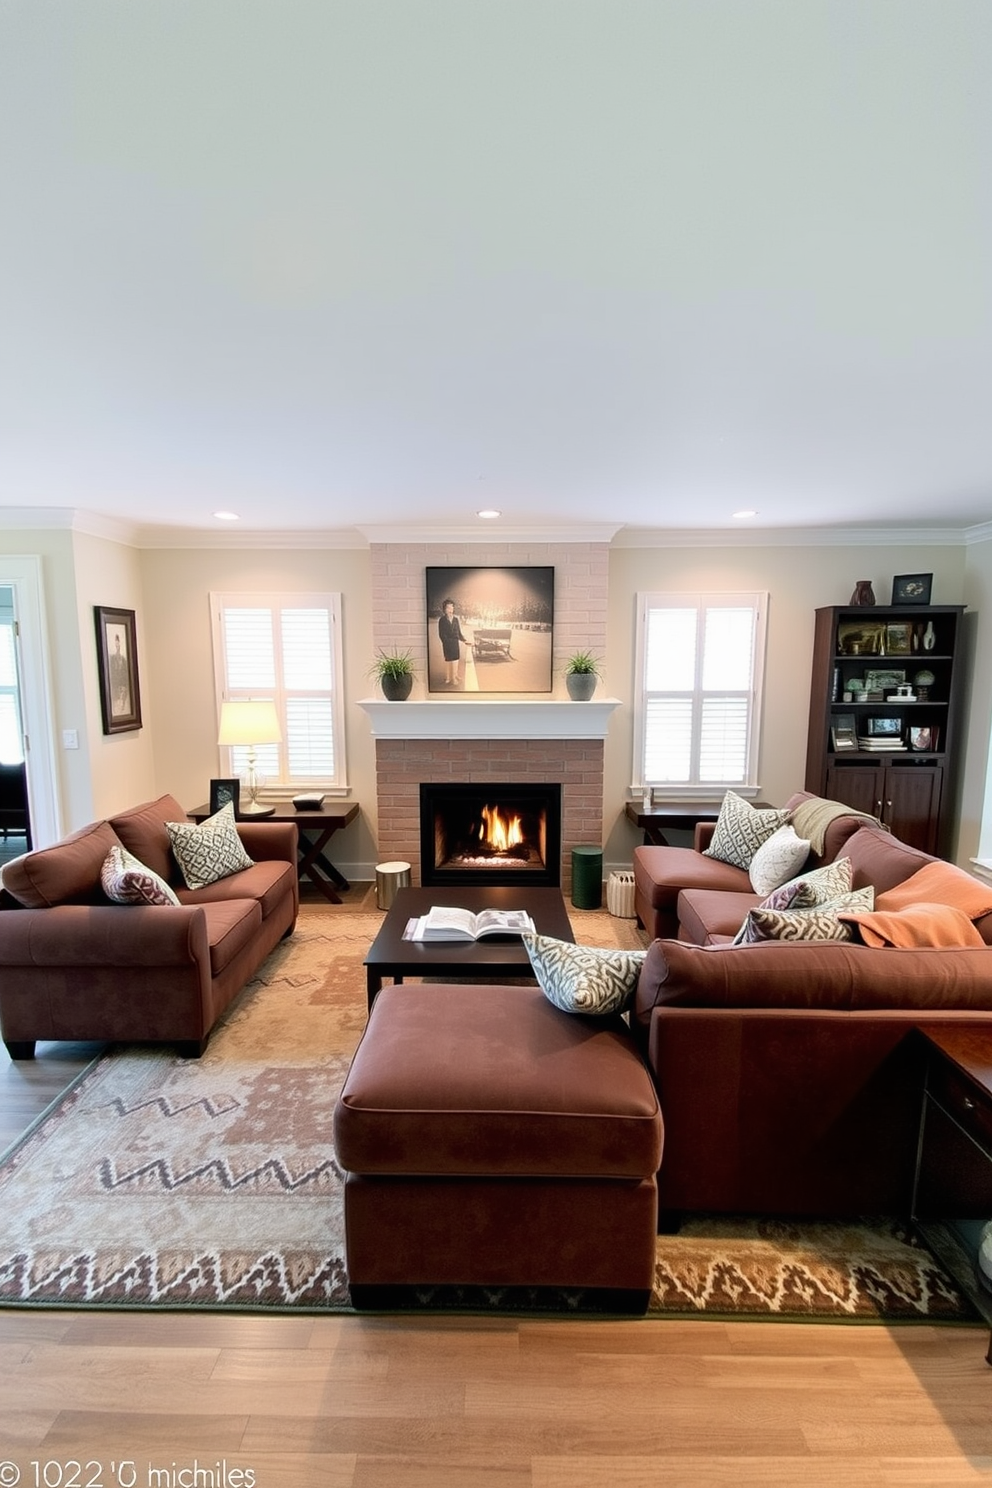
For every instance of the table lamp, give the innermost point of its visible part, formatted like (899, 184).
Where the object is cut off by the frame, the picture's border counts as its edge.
(248, 722)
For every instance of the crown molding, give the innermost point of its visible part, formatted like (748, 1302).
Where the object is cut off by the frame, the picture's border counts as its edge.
(489, 534)
(981, 533)
(798, 537)
(252, 538)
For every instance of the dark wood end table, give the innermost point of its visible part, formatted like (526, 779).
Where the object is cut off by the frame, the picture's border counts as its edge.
(954, 1156)
(316, 830)
(392, 956)
(678, 815)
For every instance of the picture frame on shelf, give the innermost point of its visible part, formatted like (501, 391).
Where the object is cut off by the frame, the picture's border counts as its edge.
(223, 793)
(884, 728)
(923, 738)
(860, 638)
(912, 589)
(877, 680)
(899, 638)
(117, 666)
(843, 734)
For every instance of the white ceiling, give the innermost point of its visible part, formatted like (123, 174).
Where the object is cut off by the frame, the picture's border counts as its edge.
(641, 262)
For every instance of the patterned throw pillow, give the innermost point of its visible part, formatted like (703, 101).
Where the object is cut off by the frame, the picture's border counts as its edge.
(126, 881)
(740, 830)
(818, 887)
(777, 860)
(209, 851)
(581, 979)
(819, 922)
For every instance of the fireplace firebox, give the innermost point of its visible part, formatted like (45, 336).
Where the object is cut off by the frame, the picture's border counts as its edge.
(490, 833)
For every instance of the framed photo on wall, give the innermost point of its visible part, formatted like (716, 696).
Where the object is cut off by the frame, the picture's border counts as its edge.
(224, 792)
(489, 629)
(117, 665)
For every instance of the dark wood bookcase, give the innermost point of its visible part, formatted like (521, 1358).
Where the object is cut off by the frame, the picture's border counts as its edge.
(846, 755)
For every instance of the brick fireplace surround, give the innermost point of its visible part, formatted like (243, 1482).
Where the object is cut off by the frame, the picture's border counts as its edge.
(500, 751)
(401, 765)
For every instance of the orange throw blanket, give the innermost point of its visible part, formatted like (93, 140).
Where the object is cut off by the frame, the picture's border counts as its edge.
(940, 883)
(916, 925)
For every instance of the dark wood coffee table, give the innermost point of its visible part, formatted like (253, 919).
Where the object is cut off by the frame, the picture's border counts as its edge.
(392, 956)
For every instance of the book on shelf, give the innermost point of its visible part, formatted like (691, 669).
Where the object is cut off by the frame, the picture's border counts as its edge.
(445, 922)
(873, 743)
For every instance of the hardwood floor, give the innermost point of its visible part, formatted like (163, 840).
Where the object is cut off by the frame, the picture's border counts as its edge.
(370, 1402)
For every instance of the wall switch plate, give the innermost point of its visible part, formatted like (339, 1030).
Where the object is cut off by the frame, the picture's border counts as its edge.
(70, 738)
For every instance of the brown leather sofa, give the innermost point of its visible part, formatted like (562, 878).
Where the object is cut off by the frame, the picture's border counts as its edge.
(789, 1073)
(73, 965)
(661, 874)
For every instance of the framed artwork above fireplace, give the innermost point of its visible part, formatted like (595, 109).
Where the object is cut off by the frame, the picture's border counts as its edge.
(490, 629)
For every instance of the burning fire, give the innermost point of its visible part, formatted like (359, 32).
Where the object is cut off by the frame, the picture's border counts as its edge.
(498, 831)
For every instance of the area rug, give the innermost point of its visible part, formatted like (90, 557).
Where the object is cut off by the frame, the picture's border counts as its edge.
(212, 1183)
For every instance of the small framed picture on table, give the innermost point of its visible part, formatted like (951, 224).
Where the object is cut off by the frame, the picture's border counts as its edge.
(224, 793)
(842, 732)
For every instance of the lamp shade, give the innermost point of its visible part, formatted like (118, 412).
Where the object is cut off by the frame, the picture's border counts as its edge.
(249, 721)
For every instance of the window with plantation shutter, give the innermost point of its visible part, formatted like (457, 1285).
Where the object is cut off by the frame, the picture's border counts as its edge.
(286, 647)
(698, 664)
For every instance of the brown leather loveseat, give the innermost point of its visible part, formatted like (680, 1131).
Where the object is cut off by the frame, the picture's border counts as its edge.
(74, 965)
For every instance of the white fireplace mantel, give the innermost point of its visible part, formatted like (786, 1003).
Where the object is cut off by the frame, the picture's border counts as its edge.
(484, 718)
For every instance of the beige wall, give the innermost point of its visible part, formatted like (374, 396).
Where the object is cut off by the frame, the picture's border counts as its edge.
(975, 781)
(176, 750)
(176, 584)
(798, 580)
(122, 766)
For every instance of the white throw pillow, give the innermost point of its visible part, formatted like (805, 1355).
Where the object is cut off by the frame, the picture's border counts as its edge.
(740, 830)
(582, 979)
(209, 851)
(777, 860)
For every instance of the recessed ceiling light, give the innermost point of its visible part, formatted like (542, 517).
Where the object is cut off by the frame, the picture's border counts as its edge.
(745, 514)
(226, 516)
(489, 512)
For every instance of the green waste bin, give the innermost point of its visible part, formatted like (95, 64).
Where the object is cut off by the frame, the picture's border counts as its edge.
(587, 877)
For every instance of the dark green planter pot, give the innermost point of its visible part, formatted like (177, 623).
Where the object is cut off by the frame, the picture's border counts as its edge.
(396, 689)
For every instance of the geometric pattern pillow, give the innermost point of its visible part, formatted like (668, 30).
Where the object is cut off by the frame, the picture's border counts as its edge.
(581, 979)
(208, 851)
(740, 830)
(820, 886)
(777, 859)
(819, 922)
(126, 881)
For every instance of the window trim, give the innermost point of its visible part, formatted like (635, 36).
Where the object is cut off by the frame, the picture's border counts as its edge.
(277, 600)
(757, 600)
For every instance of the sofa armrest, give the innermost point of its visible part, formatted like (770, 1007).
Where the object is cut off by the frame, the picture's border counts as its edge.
(104, 935)
(702, 834)
(265, 841)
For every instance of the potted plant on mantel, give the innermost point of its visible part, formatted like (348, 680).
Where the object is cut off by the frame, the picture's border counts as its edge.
(394, 672)
(581, 676)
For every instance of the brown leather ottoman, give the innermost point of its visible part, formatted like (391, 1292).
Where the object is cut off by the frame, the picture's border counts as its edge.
(491, 1140)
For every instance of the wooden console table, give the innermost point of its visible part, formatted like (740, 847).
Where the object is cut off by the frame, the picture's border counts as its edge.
(679, 815)
(316, 830)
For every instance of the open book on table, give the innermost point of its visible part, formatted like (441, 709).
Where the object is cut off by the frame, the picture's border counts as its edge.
(447, 923)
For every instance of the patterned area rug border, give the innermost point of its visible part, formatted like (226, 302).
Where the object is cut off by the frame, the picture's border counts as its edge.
(126, 1192)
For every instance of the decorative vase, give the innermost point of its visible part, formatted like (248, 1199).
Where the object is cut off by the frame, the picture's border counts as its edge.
(581, 685)
(396, 689)
(929, 637)
(863, 594)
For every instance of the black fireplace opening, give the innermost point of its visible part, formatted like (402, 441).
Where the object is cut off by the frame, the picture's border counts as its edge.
(490, 833)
